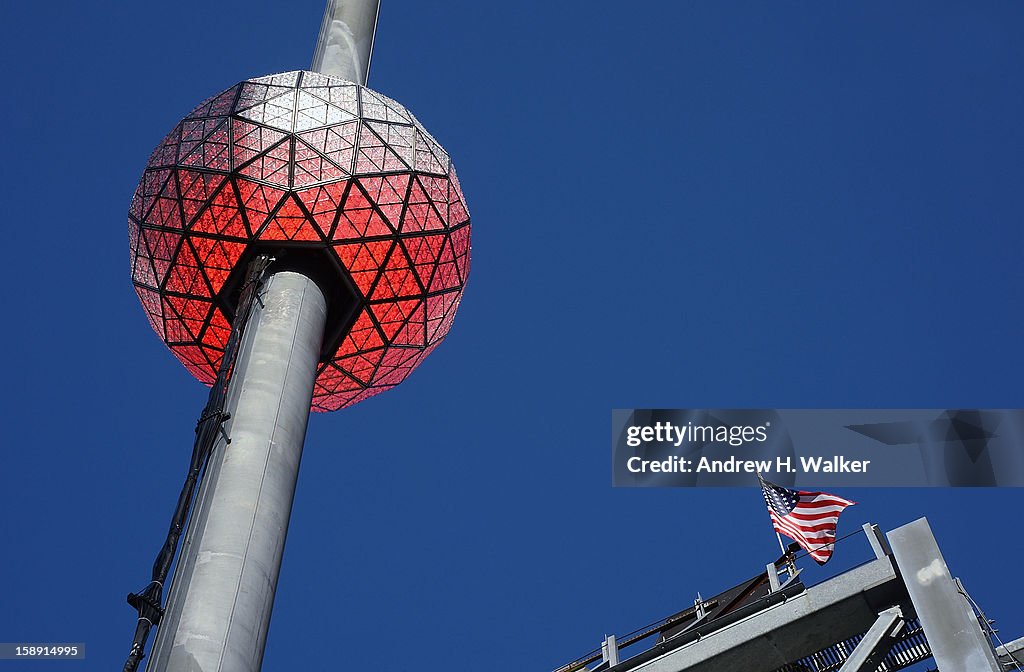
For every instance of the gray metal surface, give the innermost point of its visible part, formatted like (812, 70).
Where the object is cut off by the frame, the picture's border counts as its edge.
(957, 641)
(218, 608)
(877, 540)
(882, 616)
(345, 44)
(875, 644)
(838, 609)
(773, 577)
(1012, 655)
(908, 647)
(610, 651)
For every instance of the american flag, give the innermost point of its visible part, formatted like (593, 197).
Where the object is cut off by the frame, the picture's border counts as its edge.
(808, 518)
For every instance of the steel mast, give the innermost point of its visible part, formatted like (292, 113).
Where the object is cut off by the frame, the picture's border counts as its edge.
(221, 597)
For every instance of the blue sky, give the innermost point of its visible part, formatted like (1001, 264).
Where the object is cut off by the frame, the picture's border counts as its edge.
(714, 204)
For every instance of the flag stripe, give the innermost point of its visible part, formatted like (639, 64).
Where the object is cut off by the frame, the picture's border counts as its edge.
(812, 511)
(796, 532)
(820, 538)
(810, 529)
(817, 547)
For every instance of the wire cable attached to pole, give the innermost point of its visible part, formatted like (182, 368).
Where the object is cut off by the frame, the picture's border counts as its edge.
(148, 602)
(986, 624)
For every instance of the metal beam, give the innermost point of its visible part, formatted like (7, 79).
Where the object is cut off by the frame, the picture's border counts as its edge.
(957, 641)
(610, 650)
(773, 577)
(877, 540)
(792, 627)
(345, 43)
(1012, 655)
(876, 643)
(218, 609)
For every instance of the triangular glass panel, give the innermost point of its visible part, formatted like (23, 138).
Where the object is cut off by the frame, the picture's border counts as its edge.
(315, 80)
(142, 270)
(311, 112)
(378, 106)
(290, 79)
(446, 275)
(162, 246)
(413, 332)
(460, 244)
(374, 156)
(250, 140)
(430, 158)
(218, 257)
(362, 337)
(258, 201)
(343, 97)
(216, 105)
(311, 167)
(280, 112)
(439, 307)
(400, 139)
(152, 306)
(213, 153)
(423, 251)
(289, 223)
(195, 131)
(391, 315)
(336, 143)
(186, 276)
(360, 366)
(217, 332)
(222, 216)
(195, 360)
(398, 362)
(154, 182)
(166, 154)
(398, 279)
(323, 203)
(272, 166)
(196, 189)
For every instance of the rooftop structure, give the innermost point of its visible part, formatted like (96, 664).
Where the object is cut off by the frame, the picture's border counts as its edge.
(901, 608)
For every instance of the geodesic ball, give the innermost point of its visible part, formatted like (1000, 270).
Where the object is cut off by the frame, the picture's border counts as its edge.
(331, 178)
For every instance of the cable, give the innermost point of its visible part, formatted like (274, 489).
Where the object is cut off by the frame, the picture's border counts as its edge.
(984, 619)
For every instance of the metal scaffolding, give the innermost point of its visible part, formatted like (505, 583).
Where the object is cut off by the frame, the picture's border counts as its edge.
(899, 609)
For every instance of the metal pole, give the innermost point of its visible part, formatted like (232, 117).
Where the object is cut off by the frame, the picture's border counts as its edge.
(218, 608)
(950, 625)
(346, 39)
(781, 545)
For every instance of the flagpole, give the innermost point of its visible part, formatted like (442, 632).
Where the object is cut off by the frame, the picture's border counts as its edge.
(781, 545)
(790, 561)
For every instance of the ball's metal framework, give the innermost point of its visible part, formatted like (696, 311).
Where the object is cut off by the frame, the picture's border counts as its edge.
(299, 242)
